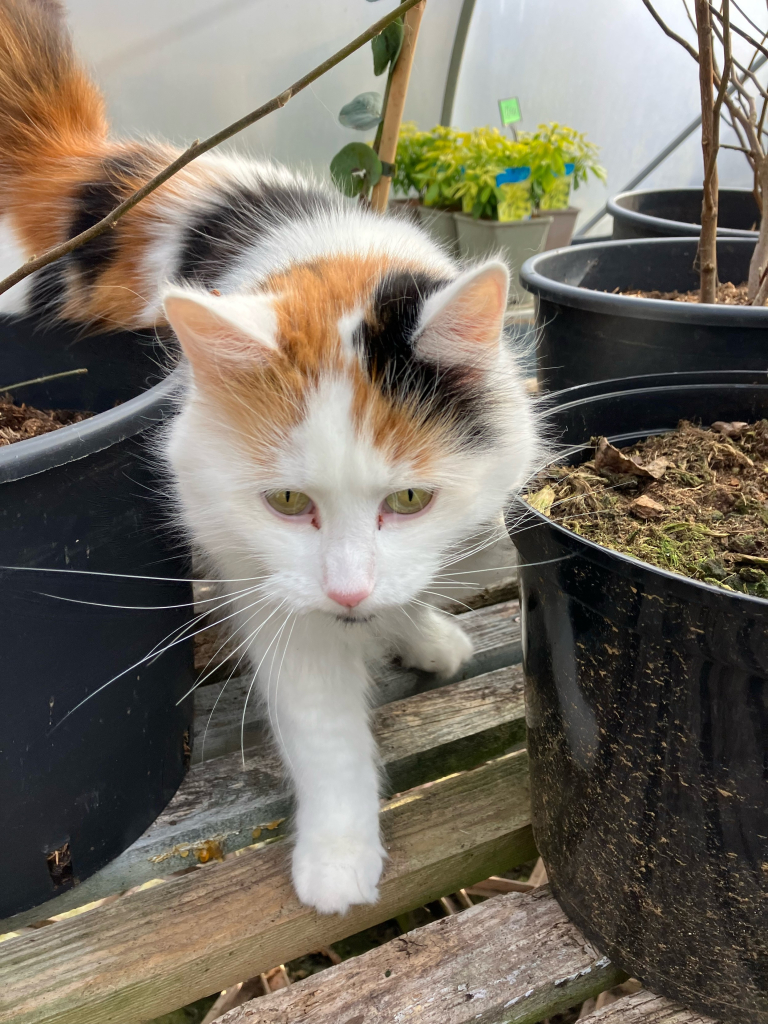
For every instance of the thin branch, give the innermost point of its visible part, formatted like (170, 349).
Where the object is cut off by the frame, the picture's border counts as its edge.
(739, 31)
(727, 68)
(745, 16)
(197, 149)
(737, 149)
(42, 380)
(668, 31)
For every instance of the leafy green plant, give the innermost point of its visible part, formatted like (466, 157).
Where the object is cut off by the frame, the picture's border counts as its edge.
(487, 154)
(430, 163)
(558, 157)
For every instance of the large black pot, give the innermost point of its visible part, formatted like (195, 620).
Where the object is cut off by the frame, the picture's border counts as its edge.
(647, 710)
(585, 332)
(79, 508)
(676, 212)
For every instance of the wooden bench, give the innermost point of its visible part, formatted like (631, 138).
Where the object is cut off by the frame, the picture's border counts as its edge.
(203, 900)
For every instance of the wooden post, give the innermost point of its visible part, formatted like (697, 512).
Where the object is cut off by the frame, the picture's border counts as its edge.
(393, 115)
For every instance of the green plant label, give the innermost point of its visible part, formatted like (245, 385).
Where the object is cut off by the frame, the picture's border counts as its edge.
(510, 111)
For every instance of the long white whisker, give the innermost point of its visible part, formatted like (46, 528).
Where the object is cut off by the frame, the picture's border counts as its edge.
(154, 653)
(255, 675)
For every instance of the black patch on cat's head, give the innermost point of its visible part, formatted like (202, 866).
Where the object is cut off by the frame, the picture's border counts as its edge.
(385, 342)
(216, 239)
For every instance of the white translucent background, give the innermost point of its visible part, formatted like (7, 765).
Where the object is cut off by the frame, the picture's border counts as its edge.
(180, 69)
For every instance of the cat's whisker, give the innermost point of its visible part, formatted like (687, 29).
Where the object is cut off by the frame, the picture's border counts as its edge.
(128, 576)
(152, 655)
(255, 676)
(145, 607)
(235, 667)
(277, 683)
(255, 604)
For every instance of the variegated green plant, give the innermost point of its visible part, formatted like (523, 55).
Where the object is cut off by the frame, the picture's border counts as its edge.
(559, 157)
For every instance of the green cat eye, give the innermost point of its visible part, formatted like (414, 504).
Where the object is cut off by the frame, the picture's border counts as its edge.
(288, 503)
(406, 502)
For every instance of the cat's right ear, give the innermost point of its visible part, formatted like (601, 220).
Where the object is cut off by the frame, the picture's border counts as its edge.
(221, 334)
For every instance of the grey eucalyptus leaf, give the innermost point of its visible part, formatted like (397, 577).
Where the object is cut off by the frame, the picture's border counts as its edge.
(363, 112)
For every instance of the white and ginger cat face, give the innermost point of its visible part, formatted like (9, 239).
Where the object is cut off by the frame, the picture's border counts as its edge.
(346, 427)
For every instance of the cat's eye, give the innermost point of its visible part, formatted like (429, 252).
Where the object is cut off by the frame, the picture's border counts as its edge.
(288, 503)
(405, 503)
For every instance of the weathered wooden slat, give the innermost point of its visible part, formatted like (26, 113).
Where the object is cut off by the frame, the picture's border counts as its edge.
(644, 1008)
(514, 959)
(152, 951)
(494, 630)
(222, 804)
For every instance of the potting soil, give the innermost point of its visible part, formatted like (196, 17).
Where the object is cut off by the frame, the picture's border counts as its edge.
(693, 501)
(20, 422)
(727, 294)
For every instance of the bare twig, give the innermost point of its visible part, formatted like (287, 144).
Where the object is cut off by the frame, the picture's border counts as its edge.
(198, 148)
(740, 31)
(668, 31)
(42, 380)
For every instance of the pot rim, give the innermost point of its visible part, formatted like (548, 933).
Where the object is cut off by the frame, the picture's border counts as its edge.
(678, 227)
(78, 440)
(534, 278)
(608, 390)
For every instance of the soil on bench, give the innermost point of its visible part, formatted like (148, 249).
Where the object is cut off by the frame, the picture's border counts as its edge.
(693, 501)
(727, 294)
(20, 422)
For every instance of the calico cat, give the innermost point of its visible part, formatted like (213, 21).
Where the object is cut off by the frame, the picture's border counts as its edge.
(350, 418)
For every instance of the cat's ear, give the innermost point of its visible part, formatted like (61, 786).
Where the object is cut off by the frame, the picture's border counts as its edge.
(221, 334)
(461, 325)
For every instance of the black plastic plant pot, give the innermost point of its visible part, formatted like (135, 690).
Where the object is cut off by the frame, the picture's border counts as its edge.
(85, 542)
(587, 332)
(675, 212)
(647, 712)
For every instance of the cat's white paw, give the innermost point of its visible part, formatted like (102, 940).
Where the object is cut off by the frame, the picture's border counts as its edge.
(333, 873)
(443, 648)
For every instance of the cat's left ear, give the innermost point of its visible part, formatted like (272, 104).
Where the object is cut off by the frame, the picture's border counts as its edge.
(461, 325)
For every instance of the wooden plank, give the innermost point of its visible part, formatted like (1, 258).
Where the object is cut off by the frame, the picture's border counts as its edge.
(514, 959)
(150, 952)
(224, 805)
(642, 1008)
(494, 630)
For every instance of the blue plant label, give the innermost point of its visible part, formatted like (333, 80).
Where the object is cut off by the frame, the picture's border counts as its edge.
(512, 175)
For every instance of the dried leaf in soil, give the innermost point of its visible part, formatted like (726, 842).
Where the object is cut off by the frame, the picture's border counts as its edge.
(694, 501)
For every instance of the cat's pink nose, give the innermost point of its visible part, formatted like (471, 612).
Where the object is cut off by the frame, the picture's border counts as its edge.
(348, 599)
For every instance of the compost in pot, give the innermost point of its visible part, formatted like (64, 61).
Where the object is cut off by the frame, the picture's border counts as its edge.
(694, 501)
(647, 712)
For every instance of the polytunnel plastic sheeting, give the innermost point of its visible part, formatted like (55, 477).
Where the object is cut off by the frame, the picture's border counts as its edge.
(603, 67)
(181, 69)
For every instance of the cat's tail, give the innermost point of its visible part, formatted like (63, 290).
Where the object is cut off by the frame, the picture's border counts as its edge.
(49, 107)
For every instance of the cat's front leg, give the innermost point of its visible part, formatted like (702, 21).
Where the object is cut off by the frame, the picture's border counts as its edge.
(428, 639)
(316, 694)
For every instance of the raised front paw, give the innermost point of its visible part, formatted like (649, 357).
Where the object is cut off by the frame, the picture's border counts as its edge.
(442, 648)
(333, 873)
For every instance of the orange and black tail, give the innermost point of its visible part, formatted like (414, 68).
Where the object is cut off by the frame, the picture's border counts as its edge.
(48, 105)
(59, 174)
